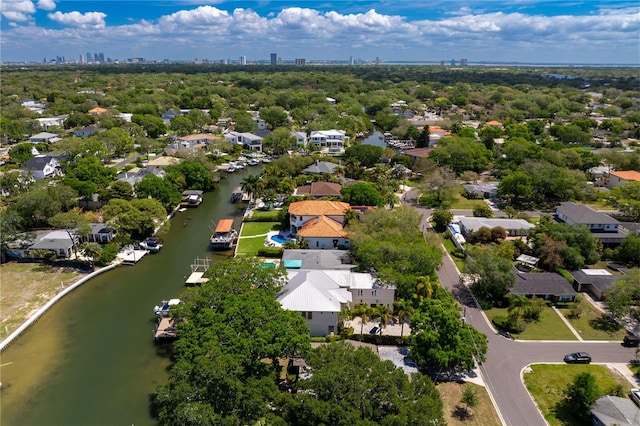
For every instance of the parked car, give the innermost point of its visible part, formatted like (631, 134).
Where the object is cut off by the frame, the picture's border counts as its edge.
(635, 396)
(577, 358)
(631, 340)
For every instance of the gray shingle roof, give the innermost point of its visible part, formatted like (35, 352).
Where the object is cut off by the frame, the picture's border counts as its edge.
(585, 215)
(542, 283)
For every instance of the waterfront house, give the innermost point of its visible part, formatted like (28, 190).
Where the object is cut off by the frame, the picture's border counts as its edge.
(331, 141)
(320, 295)
(99, 233)
(319, 223)
(193, 142)
(301, 140)
(247, 140)
(321, 168)
(57, 241)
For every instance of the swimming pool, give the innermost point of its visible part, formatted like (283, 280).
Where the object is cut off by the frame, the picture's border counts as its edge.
(277, 238)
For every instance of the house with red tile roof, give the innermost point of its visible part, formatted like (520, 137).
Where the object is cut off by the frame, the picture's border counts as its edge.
(320, 223)
(97, 111)
(619, 178)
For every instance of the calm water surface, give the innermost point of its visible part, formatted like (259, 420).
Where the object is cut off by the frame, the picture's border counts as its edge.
(91, 360)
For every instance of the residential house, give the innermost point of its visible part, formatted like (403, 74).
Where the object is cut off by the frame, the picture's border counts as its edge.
(255, 115)
(320, 295)
(47, 122)
(317, 259)
(604, 227)
(33, 106)
(619, 178)
(485, 190)
(321, 167)
(418, 153)
(90, 130)
(192, 142)
(43, 166)
(319, 223)
(593, 281)
(332, 141)
(247, 140)
(612, 410)
(100, 233)
(44, 137)
(435, 134)
(494, 123)
(57, 241)
(319, 190)
(514, 227)
(546, 285)
(301, 140)
(136, 175)
(169, 114)
(98, 111)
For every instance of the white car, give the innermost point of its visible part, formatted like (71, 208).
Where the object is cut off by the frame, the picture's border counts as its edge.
(635, 396)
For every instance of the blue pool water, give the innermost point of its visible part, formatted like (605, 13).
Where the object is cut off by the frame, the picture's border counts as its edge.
(277, 238)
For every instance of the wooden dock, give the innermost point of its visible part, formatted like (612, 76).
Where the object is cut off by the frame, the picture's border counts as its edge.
(198, 268)
(166, 331)
(131, 256)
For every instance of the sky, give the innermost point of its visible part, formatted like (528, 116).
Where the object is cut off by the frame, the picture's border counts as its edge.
(525, 31)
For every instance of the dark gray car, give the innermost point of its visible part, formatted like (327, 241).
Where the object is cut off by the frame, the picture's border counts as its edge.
(577, 358)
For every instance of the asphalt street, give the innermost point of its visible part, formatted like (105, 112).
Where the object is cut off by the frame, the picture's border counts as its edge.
(507, 359)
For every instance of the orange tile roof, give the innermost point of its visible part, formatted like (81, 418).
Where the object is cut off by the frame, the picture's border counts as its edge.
(493, 123)
(97, 110)
(224, 226)
(318, 208)
(322, 227)
(627, 175)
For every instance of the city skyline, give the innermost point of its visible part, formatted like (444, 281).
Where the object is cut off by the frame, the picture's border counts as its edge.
(525, 31)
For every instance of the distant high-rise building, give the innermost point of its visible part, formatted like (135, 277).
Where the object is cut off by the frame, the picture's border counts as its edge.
(463, 62)
(81, 59)
(243, 60)
(88, 56)
(442, 63)
(274, 59)
(300, 61)
(101, 57)
(377, 61)
(453, 62)
(96, 58)
(351, 61)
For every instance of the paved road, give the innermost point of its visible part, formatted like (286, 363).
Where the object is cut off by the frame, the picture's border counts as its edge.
(506, 359)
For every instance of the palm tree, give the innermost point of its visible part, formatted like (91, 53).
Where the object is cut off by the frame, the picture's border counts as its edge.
(345, 314)
(424, 288)
(404, 311)
(362, 310)
(517, 303)
(252, 185)
(383, 313)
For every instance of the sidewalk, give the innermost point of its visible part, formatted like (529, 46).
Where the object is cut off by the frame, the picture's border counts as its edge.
(568, 324)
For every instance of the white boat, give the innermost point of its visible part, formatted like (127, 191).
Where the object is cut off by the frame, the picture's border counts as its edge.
(153, 245)
(253, 162)
(163, 310)
(266, 160)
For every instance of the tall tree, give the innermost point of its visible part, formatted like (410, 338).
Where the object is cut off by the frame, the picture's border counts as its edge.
(581, 394)
(404, 310)
(493, 277)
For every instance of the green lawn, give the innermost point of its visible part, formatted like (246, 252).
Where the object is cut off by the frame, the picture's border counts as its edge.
(592, 326)
(448, 244)
(465, 204)
(550, 326)
(258, 228)
(272, 215)
(250, 246)
(547, 382)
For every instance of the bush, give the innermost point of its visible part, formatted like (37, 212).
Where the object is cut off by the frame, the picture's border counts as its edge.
(456, 252)
(505, 324)
(109, 253)
(272, 252)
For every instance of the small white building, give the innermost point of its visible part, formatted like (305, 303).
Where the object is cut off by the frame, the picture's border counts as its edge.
(47, 122)
(329, 140)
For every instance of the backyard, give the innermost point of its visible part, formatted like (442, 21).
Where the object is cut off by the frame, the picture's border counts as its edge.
(547, 382)
(252, 237)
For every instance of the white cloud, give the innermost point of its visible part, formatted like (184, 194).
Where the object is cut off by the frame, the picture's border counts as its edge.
(606, 35)
(46, 4)
(18, 10)
(91, 20)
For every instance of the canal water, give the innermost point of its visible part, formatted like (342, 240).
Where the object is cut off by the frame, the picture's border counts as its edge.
(376, 138)
(91, 360)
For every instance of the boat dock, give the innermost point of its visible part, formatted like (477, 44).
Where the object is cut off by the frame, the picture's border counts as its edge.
(238, 195)
(198, 268)
(191, 198)
(166, 331)
(225, 236)
(130, 256)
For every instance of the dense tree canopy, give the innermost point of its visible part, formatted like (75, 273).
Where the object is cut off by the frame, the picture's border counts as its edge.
(136, 218)
(492, 277)
(391, 242)
(376, 392)
(362, 194)
(461, 154)
(231, 334)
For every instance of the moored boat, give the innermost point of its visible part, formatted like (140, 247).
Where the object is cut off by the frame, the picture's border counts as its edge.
(224, 236)
(163, 309)
(153, 245)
